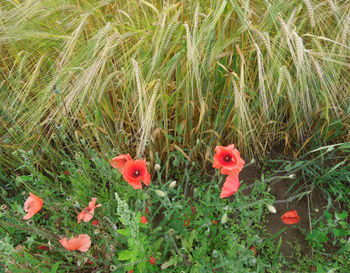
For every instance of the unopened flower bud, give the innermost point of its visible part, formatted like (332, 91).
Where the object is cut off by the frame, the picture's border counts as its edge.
(160, 193)
(113, 268)
(79, 263)
(224, 218)
(292, 176)
(252, 161)
(271, 208)
(157, 167)
(172, 185)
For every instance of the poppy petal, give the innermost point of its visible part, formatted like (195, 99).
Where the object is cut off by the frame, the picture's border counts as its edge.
(290, 217)
(230, 186)
(32, 205)
(119, 161)
(81, 243)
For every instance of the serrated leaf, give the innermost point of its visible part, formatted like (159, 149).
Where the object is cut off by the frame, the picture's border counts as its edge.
(125, 232)
(126, 255)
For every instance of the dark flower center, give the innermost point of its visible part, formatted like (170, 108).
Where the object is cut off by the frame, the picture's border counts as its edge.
(136, 173)
(227, 158)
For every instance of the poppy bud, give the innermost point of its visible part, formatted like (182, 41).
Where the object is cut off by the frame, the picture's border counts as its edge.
(224, 218)
(292, 176)
(157, 167)
(252, 161)
(316, 210)
(271, 208)
(160, 193)
(172, 185)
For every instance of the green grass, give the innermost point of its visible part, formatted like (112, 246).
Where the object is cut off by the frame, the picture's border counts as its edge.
(155, 76)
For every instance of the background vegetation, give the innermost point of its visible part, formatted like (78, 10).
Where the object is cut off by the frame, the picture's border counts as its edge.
(155, 76)
(82, 81)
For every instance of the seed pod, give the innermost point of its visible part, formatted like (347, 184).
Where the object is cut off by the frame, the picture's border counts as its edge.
(271, 208)
(224, 218)
(157, 167)
(160, 193)
(172, 185)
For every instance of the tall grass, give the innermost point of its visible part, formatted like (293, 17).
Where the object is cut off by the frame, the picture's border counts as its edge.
(154, 76)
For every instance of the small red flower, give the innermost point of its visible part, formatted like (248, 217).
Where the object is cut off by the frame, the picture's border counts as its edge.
(193, 210)
(228, 160)
(95, 222)
(120, 161)
(66, 172)
(152, 260)
(41, 247)
(215, 222)
(146, 210)
(144, 220)
(290, 217)
(253, 248)
(131, 271)
(136, 171)
(187, 221)
(230, 186)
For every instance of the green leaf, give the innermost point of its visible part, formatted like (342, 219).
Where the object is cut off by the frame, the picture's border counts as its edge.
(125, 232)
(55, 267)
(127, 255)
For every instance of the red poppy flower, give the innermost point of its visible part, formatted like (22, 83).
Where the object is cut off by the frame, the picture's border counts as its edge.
(228, 160)
(187, 221)
(152, 260)
(81, 243)
(41, 247)
(131, 271)
(253, 248)
(119, 161)
(230, 186)
(136, 171)
(144, 220)
(215, 222)
(95, 222)
(32, 205)
(88, 212)
(290, 217)
(193, 210)
(66, 172)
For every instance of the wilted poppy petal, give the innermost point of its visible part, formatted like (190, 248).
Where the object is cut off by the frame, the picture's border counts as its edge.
(32, 205)
(290, 217)
(88, 212)
(81, 243)
(119, 161)
(230, 186)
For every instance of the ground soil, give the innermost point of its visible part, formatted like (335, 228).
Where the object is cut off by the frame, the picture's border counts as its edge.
(293, 234)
